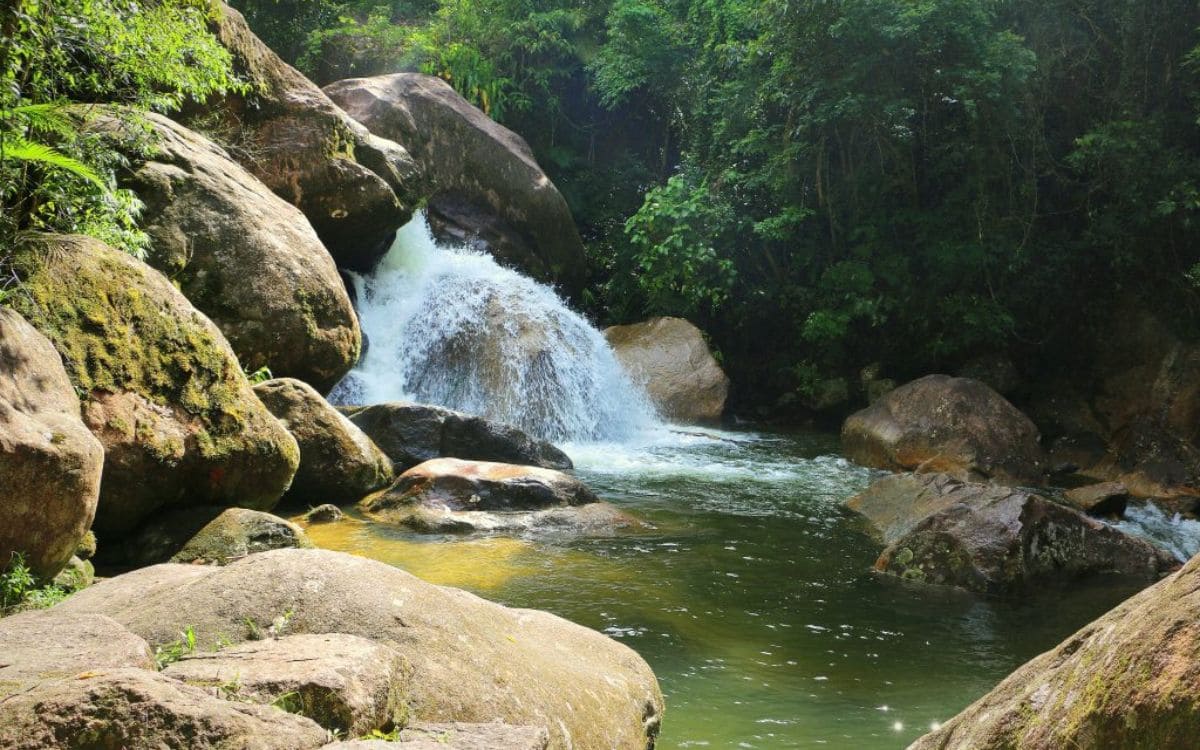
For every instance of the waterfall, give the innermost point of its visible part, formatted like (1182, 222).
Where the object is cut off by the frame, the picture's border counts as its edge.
(450, 326)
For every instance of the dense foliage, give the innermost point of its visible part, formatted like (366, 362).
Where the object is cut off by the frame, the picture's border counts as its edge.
(58, 59)
(823, 185)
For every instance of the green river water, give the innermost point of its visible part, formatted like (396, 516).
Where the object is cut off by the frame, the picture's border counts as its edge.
(751, 596)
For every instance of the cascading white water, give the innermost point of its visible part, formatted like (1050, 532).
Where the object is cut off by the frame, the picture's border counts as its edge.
(450, 326)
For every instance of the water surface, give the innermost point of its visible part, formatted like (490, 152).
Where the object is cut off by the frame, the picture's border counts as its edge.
(751, 595)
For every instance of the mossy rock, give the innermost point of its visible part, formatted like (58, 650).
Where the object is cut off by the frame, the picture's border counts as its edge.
(160, 386)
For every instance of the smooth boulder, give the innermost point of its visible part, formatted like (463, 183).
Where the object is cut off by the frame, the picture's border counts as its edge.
(49, 461)
(160, 386)
(242, 255)
(473, 661)
(413, 433)
(992, 539)
(344, 683)
(210, 535)
(355, 188)
(599, 519)
(136, 709)
(485, 184)
(671, 360)
(339, 464)
(950, 425)
(1130, 679)
(457, 736)
(455, 484)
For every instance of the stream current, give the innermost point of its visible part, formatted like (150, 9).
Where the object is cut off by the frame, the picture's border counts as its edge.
(750, 590)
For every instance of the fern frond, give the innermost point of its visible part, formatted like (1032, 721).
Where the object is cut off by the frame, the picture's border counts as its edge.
(50, 117)
(20, 149)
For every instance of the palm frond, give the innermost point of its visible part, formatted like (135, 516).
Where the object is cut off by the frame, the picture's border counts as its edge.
(20, 149)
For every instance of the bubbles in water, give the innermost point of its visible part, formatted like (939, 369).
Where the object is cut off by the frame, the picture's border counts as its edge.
(450, 326)
(1179, 536)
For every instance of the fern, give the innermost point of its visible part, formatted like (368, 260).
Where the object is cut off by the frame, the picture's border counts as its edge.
(20, 149)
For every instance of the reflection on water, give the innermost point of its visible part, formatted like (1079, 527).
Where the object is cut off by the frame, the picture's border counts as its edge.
(750, 595)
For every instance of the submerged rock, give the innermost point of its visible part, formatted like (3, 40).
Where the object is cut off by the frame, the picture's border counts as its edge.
(414, 433)
(355, 188)
(161, 388)
(454, 484)
(486, 185)
(949, 425)
(49, 461)
(338, 462)
(1128, 680)
(242, 255)
(473, 661)
(670, 359)
(343, 682)
(211, 535)
(993, 539)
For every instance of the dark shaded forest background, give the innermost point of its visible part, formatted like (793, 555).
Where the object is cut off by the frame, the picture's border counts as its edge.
(822, 185)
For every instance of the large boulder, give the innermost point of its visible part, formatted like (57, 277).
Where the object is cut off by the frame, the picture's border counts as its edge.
(456, 736)
(355, 188)
(592, 519)
(486, 185)
(951, 425)
(993, 539)
(414, 433)
(243, 256)
(47, 645)
(136, 709)
(344, 683)
(473, 661)
(214, 536)
(49, 460)
(338, 462)
(1130, 679)
(161, 388)
(670, 359)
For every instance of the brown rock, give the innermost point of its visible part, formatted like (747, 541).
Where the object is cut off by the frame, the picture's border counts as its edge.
(135, 709)
(356, 189)
(243, 256)
(49, 461)
(211, 535)
(338, 462)
(162, 389)
(949, 425)
(1128, 680)
(592, 518)
(342, 682)
(1106, 498)
(47, 645)
(473, 661)
(486, 185)
(670, 359)
(454, 484)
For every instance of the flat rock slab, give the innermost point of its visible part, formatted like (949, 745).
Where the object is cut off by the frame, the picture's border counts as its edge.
(135, 709)
(342, 682)
(47, 645)
(457, 736)
(457, 485)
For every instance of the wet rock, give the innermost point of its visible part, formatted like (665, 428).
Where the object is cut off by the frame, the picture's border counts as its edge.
(414, 433)
(1128, 680)
(949, 425)
(671, 360)
(49, 461)
(457, 485)
(243, 256)
(211, 535)
(137, 709)
(473, 661)
(324, 514)
(1106, 498)
(47, 645)
(457, 736)
(161, 388)
(342, 682)
(486, 186)
(355, 188)
(593, 518)
(993, 539)
(338, 462)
